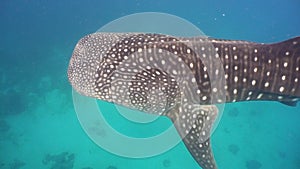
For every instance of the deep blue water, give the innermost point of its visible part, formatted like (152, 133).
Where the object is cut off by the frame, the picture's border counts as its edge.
(38, 125)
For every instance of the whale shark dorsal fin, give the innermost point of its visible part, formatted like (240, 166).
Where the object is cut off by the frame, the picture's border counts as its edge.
(195, 129)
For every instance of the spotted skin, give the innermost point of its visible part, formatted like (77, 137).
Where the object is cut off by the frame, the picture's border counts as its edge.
(261, 71)
(150, 72)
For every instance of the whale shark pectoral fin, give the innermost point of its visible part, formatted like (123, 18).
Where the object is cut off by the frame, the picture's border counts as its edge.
(201, 151)
(198, 139)
(195, 129)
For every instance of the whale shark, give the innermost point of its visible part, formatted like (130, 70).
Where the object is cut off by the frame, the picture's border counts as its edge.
(183, 78)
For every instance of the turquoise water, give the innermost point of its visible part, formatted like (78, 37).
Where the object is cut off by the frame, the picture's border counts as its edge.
(39, 127)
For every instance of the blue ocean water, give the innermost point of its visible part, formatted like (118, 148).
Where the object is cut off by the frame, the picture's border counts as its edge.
(39, 127)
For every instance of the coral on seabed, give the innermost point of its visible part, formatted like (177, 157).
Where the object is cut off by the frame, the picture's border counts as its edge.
(111, 167)
(12, 102)
(253, 164)
(16, 164)
(233, 148)
(64, 160)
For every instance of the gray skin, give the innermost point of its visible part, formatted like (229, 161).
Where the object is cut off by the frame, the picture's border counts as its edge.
(181, 78)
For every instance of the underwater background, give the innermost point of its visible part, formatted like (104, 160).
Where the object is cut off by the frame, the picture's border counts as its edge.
(39, 128)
